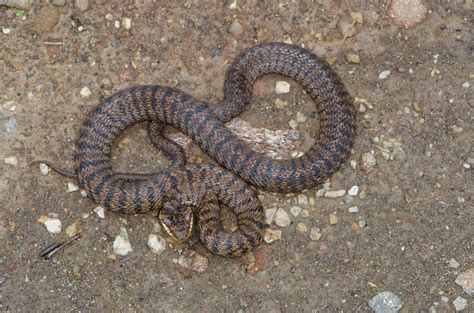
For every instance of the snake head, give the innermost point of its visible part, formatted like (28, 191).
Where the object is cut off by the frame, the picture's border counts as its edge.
(177, 220)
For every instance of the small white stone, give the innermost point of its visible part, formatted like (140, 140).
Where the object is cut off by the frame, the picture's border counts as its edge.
(466, 85)
(354, 164)
(302, 200)
(280, 104)
(109, 17)
(127, 23)
(271, 235)
(300, 118)
(100, 211)
(384, 74)
(83, 193)
(445, 299)
(72, 187)
(12, 160)
(460, 304)
(121, 243)
(44, 169)
(282, 218)
(353, 209)
(156, 243)
(305, 213)
(453, 263)
(335, 194)
(295, 211)
(353, 191)
(85, 92)
(269, 215)
(293, 124)
(6, 30)
(320, 193)
(466, 166)
(53, 225)
(282, 87)
(315, 234)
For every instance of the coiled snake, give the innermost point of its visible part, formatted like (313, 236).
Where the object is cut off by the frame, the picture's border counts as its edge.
(206, 185)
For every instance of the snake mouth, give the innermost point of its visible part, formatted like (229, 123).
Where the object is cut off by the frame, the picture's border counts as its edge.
(178, 224)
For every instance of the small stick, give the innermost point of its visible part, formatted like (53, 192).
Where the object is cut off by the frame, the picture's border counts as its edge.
(53, 248)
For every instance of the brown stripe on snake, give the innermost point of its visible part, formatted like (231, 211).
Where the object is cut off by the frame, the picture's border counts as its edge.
(208, 185)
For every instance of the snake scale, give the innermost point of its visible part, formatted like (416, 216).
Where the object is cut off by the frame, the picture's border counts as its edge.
(205, 185)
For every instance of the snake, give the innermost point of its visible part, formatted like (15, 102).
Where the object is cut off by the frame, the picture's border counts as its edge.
(178, 190)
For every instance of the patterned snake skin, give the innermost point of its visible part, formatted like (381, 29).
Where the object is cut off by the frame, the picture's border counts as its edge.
(206, 184)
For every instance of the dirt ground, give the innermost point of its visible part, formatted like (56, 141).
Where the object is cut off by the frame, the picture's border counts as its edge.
(415, 211)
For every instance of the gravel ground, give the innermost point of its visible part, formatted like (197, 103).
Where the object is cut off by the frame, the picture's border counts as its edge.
(403, 229)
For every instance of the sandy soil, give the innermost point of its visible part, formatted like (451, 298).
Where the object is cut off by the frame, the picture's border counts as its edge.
(415, 209)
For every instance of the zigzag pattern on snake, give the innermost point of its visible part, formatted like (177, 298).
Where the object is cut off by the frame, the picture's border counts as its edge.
(210, 185)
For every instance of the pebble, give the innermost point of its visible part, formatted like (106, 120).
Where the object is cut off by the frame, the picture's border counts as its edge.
(19, 4)
(3, 278)
(466, 281)
(282, 218)
(46, 18)
(280, 104)
(368, 161)
(127, 23)
(315, 234)
(353, 191)
(12, 160)
(333, 219)
(302, 228)
(60, 3)
(100, 211)
(445, 299)
(334, 194)
(362, 224)
(156, 243)
(386, 302)
(353, 58)
(85, 92)
(305, 213)
(281, 87)
(271, 235)
(384, 75)
(109, 17)
(460, 304)
(72, 187)
(466, 85)
(300, 117)
(53, 225)
(106, 84)
(466, 166)
(83, 193)
(453, 263)
(82, 5)
(269, 215)
(293, 124)
(44, 169)
(353, 209)
(236, 29)
(121, 243)
(347, 27)
(199, 263)
(6, 30)
(320, 193)
(295, 211)
(302, 200)
(74, 229)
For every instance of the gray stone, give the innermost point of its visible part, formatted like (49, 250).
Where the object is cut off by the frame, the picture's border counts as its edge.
(466, 281)
(82, 5)
(19, 4)
(236, 29)
(59, 3)
(386, 302)
(460, 304)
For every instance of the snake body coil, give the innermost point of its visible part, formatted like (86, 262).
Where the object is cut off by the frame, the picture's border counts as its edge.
(204, 123)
